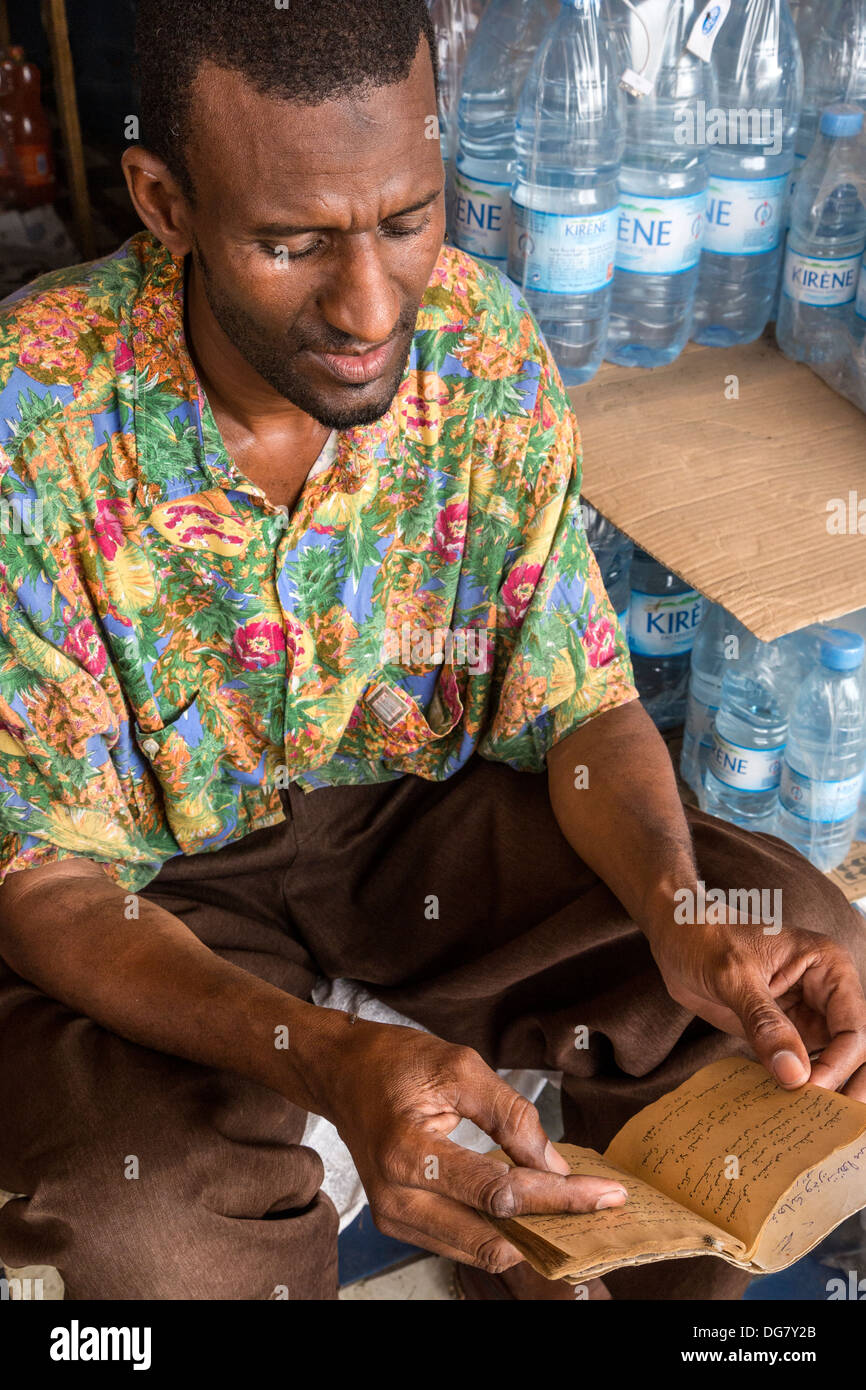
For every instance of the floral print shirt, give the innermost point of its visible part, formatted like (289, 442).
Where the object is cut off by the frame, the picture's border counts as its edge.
(174, 649)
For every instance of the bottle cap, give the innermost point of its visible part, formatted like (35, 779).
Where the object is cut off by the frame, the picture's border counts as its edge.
(841, 650)
(841, 120)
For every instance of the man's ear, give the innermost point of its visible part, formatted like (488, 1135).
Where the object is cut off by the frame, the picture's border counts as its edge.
(158, 199)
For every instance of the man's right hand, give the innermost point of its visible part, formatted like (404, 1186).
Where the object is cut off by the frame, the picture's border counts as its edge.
(395, 1094)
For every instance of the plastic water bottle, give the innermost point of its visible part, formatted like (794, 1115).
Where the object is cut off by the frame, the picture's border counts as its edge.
(833, 43)
(858, 328)
(825, 245)
(570, 136)
(663, 196)
(499, 58)
(760, 75)
(455, 22)
(822, 775)
(716, 651)
(664, 616)
(744, 768)
(614, 551)
(833, 40)
(801, 13)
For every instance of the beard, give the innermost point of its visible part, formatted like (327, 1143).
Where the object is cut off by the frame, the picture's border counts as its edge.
(277, 360)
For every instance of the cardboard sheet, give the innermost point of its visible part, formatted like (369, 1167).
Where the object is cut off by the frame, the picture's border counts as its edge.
(733, 494)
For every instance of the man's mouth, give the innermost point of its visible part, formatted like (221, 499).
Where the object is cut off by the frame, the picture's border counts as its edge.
(357, 368)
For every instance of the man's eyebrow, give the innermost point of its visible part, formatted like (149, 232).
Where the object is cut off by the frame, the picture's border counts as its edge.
(272, 229)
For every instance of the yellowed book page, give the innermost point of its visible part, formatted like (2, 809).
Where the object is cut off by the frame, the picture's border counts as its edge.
(649, 1226)
(730, 1142)
(818, 1202)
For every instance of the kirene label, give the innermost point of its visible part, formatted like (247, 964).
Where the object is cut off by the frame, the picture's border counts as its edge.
(663, 624)
(745, 769)
(745, 217)
(822, 803)
(481, 214)
(555, 253)
(660, 236)
(823, 283)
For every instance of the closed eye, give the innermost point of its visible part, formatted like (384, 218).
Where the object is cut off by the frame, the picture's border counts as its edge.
(395, 229)
(281, 253)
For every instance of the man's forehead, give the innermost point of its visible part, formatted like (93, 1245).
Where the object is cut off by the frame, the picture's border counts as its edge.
(224, 101)
(242, 136)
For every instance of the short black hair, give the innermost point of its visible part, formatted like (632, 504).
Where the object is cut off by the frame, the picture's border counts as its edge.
(307, 51)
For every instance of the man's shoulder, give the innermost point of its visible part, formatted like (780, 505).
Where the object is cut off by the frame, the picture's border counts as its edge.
(482, 312)
(57, 331)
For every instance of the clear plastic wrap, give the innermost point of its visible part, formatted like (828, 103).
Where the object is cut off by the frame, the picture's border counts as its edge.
(455, 22)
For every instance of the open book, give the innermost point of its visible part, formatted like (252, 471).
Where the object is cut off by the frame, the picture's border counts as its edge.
(729, 1164)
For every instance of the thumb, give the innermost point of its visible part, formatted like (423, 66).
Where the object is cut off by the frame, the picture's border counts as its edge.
(772, 1035)
(511, 1120)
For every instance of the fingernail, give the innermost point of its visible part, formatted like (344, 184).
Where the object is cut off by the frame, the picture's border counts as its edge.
(789, 1069)
(554, 1160)
(614, 1198)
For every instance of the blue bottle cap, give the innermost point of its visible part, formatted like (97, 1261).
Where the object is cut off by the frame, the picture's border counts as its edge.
(841, 650)
(841, 120)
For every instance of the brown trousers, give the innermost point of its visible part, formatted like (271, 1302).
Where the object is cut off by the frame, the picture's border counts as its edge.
(527, 945)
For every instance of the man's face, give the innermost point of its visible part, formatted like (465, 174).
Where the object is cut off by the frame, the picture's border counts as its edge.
(316, 231)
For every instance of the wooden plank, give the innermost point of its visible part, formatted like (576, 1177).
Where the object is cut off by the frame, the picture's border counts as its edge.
(723, 466)
(55, 23)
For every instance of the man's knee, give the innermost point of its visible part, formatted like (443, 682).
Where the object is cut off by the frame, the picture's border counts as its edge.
(172, 1231)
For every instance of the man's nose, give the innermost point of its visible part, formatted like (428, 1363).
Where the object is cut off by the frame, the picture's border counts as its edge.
(359, 299)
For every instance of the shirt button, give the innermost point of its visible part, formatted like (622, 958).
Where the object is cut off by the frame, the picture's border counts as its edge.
(150, 747)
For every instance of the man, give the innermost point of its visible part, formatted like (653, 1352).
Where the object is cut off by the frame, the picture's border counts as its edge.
(234, 757)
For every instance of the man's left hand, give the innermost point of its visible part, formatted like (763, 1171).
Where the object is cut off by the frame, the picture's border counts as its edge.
(788, 994)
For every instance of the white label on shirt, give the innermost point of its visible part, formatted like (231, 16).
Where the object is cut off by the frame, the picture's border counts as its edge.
(745, 769)
(482, 212)
(745, 217)
(559, 254)
(660, 236)
(664, 624)
(826, 284)
(823, 803)
(707, 27)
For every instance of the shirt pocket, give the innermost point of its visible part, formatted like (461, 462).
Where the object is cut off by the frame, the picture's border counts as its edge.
(409, 737)
(200, 800)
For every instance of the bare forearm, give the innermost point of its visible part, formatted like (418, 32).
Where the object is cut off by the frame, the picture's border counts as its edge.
(614, 794)
(152, 981)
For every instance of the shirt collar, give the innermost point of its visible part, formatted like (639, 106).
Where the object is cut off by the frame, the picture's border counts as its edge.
(179, 449)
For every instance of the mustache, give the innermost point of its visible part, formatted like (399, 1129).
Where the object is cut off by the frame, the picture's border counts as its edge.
(338, 343)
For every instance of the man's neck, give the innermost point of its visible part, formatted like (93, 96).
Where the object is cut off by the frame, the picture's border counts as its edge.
(249, 412)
